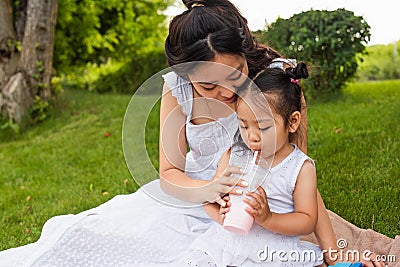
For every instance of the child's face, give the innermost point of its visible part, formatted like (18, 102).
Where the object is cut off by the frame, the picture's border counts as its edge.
(261, 129)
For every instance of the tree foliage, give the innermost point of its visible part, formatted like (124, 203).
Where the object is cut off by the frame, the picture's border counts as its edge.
(93, 31)
(110, 45)
(329, 41)
(381, 63)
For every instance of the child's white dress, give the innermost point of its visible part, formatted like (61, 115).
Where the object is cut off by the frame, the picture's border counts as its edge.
(137, 229)
(262, 247)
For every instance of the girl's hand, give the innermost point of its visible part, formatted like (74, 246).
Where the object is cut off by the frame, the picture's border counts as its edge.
(259, 207)
(224, 210)
(224, 184)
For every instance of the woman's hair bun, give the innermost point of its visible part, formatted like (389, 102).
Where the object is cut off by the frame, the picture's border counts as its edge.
(189, 3)
(298, 72)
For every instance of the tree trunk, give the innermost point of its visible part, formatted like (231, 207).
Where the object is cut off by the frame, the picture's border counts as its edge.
(8, 54)
(30, 77)
(20, 19)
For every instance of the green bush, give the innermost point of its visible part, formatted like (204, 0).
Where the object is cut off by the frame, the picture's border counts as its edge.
(330, 41)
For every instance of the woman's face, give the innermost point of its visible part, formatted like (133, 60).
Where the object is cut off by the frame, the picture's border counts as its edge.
(219, 78)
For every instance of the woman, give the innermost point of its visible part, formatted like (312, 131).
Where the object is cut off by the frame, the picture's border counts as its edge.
(112, 234)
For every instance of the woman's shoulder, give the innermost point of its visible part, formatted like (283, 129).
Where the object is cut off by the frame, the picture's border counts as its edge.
(181, 89)
(174, 80)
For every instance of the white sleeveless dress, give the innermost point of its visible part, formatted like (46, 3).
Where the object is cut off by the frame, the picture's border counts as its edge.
(257, 248)
(137, 229)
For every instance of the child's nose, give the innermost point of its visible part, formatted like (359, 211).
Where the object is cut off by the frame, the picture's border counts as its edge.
(254, 136)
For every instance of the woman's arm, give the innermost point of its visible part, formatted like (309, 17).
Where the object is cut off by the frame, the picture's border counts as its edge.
(324, 231)
(323, 228)
(172, 149)
(301, 138)
(172, 158)
(214, 210)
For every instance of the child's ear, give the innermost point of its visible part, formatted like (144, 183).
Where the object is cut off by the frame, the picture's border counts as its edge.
(294, 121)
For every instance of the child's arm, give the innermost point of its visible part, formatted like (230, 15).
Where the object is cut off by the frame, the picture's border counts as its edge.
(304, 218)
(216, 212)
(212, 210)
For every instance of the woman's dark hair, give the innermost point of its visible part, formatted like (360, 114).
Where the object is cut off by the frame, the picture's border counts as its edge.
(281, 90)
(209, 27)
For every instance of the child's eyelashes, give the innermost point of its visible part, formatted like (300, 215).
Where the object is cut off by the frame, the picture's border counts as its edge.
(261, 129)
(264, 129)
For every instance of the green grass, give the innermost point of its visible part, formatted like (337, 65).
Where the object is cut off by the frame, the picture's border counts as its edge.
(66, 164)
(355, 141)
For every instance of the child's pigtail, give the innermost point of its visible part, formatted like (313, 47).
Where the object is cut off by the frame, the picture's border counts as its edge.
(296, 73)
(300, 71)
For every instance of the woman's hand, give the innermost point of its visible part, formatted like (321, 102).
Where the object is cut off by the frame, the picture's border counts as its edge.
(373, 261)
(224, 184)
(259, 207)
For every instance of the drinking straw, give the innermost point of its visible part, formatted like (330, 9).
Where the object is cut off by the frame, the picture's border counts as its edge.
(254, 159)
(253, 163)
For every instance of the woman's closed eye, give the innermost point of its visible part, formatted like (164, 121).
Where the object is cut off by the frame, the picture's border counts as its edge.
(208, 86)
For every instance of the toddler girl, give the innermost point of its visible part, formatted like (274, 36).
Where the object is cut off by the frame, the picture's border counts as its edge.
(284, 204)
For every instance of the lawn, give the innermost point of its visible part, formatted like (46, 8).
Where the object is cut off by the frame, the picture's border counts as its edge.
(74, 160)
(355, 141)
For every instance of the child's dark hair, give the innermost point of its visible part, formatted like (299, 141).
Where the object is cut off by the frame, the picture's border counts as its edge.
(209, 27)
(282, 91)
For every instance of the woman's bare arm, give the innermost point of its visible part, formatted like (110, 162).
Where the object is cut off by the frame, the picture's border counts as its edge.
(173, 145)
(301, 140)
(172, 149)
(213, 209)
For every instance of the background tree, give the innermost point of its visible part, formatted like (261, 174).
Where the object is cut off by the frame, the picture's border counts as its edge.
(110, 45)
(104, 45)
(330, 41)
(381, 63)
(26, 55)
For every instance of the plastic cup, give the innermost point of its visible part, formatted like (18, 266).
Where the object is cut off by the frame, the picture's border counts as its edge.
(238, 220)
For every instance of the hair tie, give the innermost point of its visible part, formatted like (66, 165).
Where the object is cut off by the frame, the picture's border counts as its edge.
(280, 63)
(196, 4)
(294, 81)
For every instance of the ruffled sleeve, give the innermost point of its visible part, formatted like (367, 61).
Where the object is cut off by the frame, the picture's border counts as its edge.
(181, 90)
